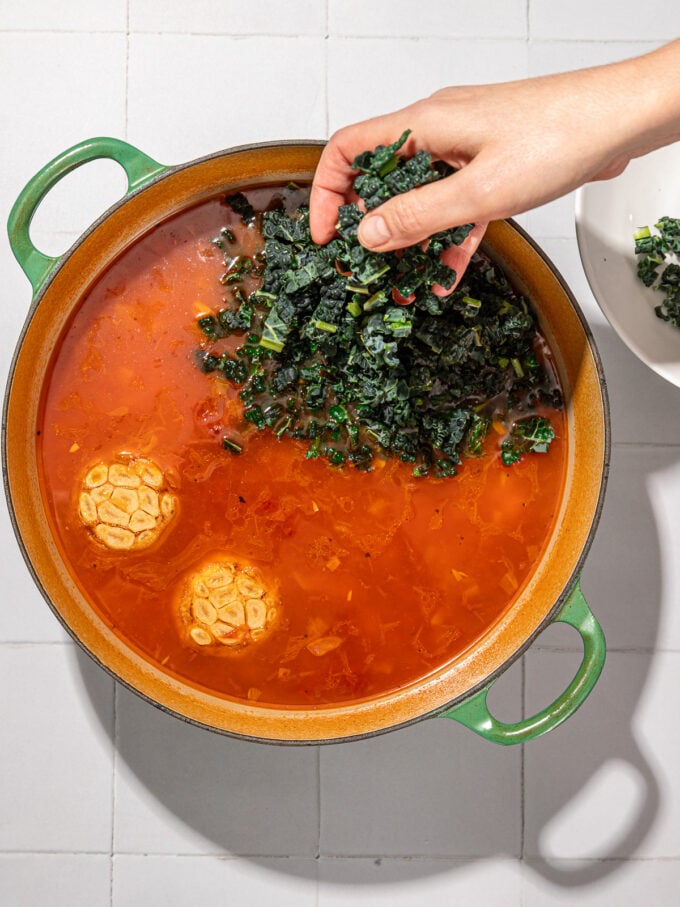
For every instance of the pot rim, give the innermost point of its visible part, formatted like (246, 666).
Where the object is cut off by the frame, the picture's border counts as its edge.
(62, 261)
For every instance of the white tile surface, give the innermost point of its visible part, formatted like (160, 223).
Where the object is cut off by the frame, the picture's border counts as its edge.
(402, 70)
(550, 56)
(180, 789)
(626, 883)
(56, 783)
(411, 883)
(230, 17)
(562, 252)
(554, 219)
(24, 616)
(165, 881)
(585, 20)
(437, 18)
(76, 15)
(60, 880)
(431, 814)
(56, 90)
(644, 407)
(174, 118)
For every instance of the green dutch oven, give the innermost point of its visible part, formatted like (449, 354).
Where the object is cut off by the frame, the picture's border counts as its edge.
(459, 689)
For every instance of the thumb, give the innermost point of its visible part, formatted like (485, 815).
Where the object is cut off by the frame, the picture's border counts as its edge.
(464, 197)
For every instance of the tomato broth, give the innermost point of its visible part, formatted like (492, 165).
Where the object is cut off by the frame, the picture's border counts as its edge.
(379, 577)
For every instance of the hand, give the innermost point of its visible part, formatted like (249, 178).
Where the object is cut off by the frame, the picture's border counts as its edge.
(514, 145)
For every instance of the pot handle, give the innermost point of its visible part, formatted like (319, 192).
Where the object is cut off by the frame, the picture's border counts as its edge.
(138, 167)
(475, 715)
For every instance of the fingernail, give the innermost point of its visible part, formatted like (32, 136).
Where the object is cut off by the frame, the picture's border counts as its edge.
(373, 231)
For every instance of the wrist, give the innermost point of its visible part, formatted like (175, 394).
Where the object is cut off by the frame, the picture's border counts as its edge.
(650, 88)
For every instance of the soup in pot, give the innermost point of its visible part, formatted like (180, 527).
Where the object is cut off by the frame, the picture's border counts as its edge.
(224, 553)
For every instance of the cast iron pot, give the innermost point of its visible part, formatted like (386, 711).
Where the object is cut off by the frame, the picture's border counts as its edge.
(459, 689)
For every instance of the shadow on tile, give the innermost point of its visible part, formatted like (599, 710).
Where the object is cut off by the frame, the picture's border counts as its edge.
(432, 790)
(592, 798)
(623, 578)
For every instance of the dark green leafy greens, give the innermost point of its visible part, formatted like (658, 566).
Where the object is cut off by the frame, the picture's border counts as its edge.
(240, 205)
(655, 267)
(352, 352)
(531, 435)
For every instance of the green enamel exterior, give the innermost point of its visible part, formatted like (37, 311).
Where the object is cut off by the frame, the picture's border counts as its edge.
(138, 167)
(474, 712)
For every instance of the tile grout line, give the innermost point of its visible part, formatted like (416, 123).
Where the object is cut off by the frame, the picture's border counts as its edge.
(83, 33)
(317, 854)
(114, 766)
(455, 860)
(661, 445)
(652, 42)
(22, 852)
(200, 34)
(522, 764)
(527, 21)
(522, 871)
(326, 43)
(126, 76)
(317, 857)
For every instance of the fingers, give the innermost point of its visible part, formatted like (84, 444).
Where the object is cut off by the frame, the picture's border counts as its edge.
(323, 212)
(470, 195)
(332, 184)
(334, 175)
(458, 257)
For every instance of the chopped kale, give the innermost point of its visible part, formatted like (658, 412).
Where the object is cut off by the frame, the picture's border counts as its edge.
(384, 174)
(350, 350)
(532, 435)
(231, 445)
(656, 267)
(240, 205)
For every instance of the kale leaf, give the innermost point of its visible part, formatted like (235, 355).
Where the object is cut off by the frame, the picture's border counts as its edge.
(239, 204)
(384, 174)
(352, 352)
(532, 435)
(655, 266)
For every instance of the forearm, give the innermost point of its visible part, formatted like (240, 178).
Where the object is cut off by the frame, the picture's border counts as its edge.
(652, 82)
(514, 145)
(636, 100)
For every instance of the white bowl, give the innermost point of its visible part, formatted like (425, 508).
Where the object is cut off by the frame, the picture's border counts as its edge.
(607, 214)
